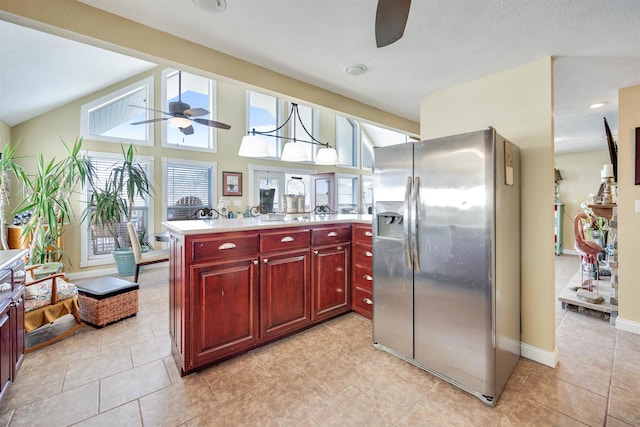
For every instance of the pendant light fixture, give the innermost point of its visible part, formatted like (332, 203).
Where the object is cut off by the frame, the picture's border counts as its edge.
(253, 145)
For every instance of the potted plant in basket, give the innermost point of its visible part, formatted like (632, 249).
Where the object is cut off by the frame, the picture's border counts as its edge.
(110, 208)
(47, 195)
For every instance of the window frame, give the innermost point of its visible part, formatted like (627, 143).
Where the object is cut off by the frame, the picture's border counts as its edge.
(355, 143)
(212, 107)
(87, 260)
(85, 110)
(355, 189)
(279, 114)
(166, 161)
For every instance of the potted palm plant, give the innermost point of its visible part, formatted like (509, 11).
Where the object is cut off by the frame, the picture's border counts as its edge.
(47, 195)
(111, 206)
(7, 167)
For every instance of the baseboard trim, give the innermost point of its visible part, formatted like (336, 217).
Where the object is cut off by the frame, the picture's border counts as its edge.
(569, 252)
(548, 358)
(628, 325)
(111, 271)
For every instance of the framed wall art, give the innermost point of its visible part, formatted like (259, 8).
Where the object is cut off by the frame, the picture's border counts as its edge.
(231, 184)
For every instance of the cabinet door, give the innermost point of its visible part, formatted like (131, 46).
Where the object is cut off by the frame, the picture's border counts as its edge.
(17, 329)
(284, 293)
(6, 357)
(331, 282)
(224, 309)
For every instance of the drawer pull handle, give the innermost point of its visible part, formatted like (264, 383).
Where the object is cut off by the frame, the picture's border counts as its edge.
(287, 239)
(368, 233)
(224, 246)
(367, 301)
(367, 253)
(332, 234)
(367, 277)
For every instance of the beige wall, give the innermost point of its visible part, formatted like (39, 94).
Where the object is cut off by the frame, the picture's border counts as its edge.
(628, 219)
(5, 134)
(580, 177)
(518, 103)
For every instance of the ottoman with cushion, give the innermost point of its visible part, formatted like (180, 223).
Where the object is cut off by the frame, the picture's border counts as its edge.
(107, 300)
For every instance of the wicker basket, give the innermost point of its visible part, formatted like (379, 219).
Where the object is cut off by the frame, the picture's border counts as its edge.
(101, 312)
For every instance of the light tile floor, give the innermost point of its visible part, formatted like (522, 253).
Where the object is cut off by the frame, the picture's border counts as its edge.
(123, 375)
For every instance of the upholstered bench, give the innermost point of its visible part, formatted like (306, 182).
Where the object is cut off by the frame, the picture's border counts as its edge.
(107, 300)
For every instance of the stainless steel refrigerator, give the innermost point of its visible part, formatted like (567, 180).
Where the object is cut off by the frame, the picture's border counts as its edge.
(446, 258)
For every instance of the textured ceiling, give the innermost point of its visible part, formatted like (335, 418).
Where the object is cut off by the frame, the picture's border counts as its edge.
(446, 43)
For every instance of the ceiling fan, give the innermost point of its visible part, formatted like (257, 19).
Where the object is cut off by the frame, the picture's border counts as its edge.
(182, 115)
(391, 19)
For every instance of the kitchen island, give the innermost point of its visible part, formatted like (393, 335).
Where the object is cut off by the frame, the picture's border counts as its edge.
(237, 284)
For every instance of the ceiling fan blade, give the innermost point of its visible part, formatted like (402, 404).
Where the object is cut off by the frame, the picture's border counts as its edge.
(195, 112)
(150, 121)
(187, 131)
(391, 19)
(151, 109)
(212, 123)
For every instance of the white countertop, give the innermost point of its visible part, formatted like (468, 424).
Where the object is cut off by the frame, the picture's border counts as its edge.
(206, 226)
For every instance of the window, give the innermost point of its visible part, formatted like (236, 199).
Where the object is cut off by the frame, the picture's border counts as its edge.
(109, 118)
(189, 186)
(197, 92)
(367, 194)
(262, 115)
(367, 152)
(347, 193)
(97, 243)
(347, 141)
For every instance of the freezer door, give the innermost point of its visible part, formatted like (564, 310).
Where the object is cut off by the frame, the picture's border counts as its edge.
(392, 267)
(453, 284)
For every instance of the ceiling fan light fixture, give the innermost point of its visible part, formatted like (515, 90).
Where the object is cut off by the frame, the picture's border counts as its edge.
(253, 146)
(327, 156)
(212, 6)
(180, 122)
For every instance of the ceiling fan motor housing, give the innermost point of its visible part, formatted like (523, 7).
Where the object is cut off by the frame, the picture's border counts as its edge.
(177, 108)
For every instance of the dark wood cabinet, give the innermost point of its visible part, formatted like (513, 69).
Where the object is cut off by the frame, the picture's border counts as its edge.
(6, 357)
(11, 316)
(284, 293)
(224, 309)
(331, 282)
(362, 270)
(230, 292)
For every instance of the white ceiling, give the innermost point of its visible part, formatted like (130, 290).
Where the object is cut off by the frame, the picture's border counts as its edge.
(446, 42)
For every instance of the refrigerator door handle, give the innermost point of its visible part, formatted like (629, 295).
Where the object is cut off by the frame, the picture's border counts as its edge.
(415, 207)
(406, 221)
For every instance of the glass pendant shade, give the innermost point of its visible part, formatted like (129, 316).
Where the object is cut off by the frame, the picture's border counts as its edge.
(253, 146)
(180, 122)
(295, 152)
(327, 156)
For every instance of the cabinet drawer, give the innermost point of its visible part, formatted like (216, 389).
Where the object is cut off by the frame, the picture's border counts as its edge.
(363, 302)
(363, 255)
(329, 235)
(362, 233)
(229, 246)
(362, 277)
(282, 240)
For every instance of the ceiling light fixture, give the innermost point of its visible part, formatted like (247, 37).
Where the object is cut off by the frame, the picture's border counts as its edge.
(356, 70)
(598, 104)
(180, 122)
(254, 146)
(213, 6)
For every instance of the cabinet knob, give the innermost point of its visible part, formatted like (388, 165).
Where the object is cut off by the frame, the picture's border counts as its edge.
(367, 253)
(255, 262)
(367, 277)
(368, 233)
(287, 239)
(227, 246)
(315, 252)
(332, 234)
(265, 260)
(367, 301)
